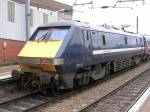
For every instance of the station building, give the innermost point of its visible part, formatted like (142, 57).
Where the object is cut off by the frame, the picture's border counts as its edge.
(12, 23)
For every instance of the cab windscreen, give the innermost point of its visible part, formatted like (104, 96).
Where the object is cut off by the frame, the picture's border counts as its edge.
(45, 34)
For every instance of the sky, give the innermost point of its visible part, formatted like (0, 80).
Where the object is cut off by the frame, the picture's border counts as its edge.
(114, 16)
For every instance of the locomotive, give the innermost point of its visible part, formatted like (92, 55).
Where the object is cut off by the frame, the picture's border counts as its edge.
(67, 54)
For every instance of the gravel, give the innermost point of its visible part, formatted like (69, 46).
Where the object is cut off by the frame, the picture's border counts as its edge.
(80, 100)
(9, 92)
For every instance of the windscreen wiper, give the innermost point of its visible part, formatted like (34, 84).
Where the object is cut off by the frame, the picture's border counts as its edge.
(42, 37)
(48, 36)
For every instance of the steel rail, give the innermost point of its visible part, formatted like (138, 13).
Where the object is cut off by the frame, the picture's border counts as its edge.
(81, 89)
(48, 99)
(96, 102)
(7, 81)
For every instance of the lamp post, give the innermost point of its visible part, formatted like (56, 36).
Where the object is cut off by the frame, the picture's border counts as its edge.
(137, 24)
(27, 18)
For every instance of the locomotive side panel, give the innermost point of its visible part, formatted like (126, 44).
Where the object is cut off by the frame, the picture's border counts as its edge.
(74, 52)
(74, 58)
(115, 47)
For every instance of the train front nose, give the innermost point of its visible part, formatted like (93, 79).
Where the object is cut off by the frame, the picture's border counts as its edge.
(40, 55)
(38, 63)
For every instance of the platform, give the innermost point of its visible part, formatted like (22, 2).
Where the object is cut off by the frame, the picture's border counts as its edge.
(4, 76)
(5, 71)
(143, 103)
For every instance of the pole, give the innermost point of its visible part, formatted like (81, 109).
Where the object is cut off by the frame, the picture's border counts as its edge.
(27, 18)
(137, 24)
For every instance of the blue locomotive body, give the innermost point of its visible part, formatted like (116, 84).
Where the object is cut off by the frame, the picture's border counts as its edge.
(88, 53)
(87, 46)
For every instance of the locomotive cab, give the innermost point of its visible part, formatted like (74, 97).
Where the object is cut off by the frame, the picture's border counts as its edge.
(51, 57)
(39, 58)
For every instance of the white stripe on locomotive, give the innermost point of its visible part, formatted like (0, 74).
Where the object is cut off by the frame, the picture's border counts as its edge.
(95, 52)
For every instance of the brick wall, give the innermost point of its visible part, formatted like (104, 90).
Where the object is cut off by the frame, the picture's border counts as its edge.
(9, 54)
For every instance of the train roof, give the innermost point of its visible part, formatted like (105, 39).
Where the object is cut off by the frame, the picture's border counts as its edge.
(148, 36)
(86, 25)
(65, 23)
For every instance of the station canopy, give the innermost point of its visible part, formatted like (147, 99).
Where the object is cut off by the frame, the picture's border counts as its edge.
(47, 4)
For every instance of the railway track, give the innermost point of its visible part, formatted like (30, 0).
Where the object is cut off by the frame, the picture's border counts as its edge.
(123, 98)
(23, 103)
(32, 101)
(35, 100)
(27, 103)
(7, 81)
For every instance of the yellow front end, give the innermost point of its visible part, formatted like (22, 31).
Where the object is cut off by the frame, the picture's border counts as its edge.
(46, 49)
(34, 52)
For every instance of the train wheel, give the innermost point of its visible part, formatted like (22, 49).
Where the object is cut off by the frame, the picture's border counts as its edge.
(25, 82)
(83, 80)
(108, 70)
(16, 75)
(75, 84)
(133, 63)
(55, 87)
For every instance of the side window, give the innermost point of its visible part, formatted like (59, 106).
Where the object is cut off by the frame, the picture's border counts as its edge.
(88, 35)
(141, 40)
(96, 39)
(11, 11)
(137, 41)
(132, 41)
(104, 40)
(45, 18)
(125, 40)
(93, 33)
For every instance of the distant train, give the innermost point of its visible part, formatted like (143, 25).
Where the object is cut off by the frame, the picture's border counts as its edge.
(67, 54)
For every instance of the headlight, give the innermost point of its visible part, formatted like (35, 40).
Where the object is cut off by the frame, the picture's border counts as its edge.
(58, 61)
(55, 61)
